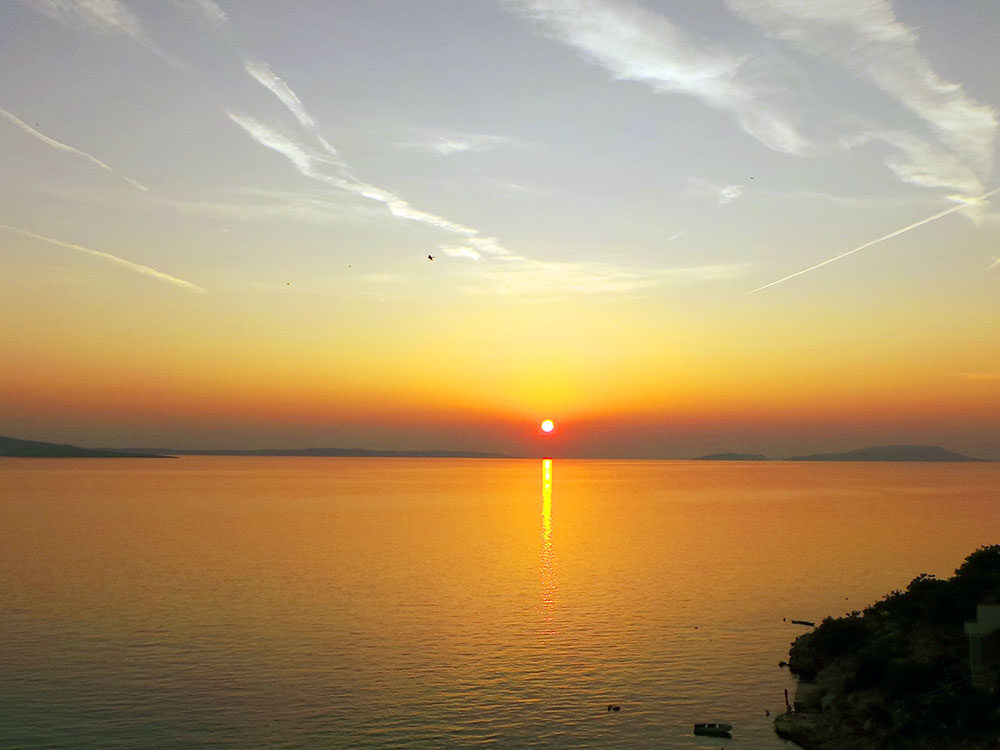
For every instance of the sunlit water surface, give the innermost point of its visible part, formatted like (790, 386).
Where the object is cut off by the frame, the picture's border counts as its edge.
(380, 603)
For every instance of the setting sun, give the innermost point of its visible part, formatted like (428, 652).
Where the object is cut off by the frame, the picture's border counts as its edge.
(548, 425)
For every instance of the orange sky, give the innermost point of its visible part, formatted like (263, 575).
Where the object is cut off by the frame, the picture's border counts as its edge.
(211, 237)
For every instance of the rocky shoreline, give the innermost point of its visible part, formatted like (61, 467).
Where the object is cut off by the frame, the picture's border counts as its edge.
(898, 676)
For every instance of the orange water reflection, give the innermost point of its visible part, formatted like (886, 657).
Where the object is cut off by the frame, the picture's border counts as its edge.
(547, 556)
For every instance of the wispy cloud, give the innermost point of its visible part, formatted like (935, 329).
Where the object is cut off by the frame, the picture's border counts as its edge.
(730, 193)
(263, 75)
(208, 11)
(461, 252)
(136, 267)
(994, 264)
(722, 194)
(940, 214)
(510, 273)
(509, 269)
(63, 147)
(101, 17)
(269, 205)
(313, 167)
(447, 143)
(865, 37)
(266, 78)
(509, 189)
(917, 162)
(551, 278)
(638, 45)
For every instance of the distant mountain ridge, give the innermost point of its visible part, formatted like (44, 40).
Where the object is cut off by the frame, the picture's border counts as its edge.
(16, 448)
(334, 453)
(890, 453)
(875, 453)
(733, 457)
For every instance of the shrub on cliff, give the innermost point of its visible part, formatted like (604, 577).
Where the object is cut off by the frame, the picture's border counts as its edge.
(901, 667)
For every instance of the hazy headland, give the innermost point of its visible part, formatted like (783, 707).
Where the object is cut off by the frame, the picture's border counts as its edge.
(15, 447)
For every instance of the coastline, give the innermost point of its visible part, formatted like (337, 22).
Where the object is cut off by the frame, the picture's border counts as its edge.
(918, 670)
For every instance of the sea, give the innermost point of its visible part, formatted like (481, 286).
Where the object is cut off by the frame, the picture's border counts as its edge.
(255, 602)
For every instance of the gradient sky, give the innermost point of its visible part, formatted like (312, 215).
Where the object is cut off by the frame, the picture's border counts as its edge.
(216, 218)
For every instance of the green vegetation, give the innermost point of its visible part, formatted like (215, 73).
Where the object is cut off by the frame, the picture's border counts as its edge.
(897, 675)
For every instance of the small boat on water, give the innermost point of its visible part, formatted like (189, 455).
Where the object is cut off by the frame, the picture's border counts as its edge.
(713, 729)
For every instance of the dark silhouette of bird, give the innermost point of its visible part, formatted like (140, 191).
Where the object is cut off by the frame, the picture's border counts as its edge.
(430, 257)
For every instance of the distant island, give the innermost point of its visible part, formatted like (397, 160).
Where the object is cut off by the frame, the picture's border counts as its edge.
(875, 453)
(918, 670)
(16, 448)
(336, 453)
(733, 457)
(890, 453)
(13, 447)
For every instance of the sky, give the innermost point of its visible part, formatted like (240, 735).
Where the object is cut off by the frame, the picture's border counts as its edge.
(672, 227)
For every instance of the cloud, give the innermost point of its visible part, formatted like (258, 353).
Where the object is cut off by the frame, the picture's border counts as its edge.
(510, 273)
(862, 36)
(263, 75)
(917, 162)
(208, 11)
(63, 147)
(136, 267)
(510, 189)
(722, 194)
(101, 17)
(552, 278)
(313, 167)
(295, 152)
(730, 193)
(445, 143)
(509, 269)
(638, 45)
(865, 37)
(462, 252)
(994, 264)
(268, 205)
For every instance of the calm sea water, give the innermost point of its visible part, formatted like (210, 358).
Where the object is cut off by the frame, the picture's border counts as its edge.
(397, 603)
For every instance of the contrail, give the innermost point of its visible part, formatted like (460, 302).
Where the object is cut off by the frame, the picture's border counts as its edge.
(307, 164)
(914, 225)
(145, 270)
(261, 72)
(63, 147)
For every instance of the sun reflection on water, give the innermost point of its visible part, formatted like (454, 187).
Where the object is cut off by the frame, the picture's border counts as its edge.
(547, 555)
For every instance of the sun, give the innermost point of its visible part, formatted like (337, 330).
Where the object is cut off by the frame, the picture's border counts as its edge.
(548, 425)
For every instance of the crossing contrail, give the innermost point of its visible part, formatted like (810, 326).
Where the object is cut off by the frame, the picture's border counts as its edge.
(907, 228)
(64, 147)
(137, 267)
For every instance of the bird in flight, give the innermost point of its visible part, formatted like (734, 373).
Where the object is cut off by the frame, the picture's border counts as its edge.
(430, 257)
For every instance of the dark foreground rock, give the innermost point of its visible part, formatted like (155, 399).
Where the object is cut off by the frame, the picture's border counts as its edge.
(898, 676)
